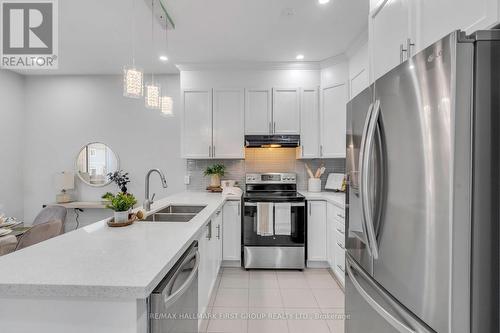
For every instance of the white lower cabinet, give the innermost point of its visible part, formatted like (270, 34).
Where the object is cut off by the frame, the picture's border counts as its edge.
(336, 241)
(231, 232)
(210, 249)
(316, 233)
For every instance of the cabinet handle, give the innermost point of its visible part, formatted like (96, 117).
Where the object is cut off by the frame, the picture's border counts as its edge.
(309, 209)
(409, 45)
(401, 51)
(341, 246)
(218, 231)
(340, 267)
(321, 150)
(239, 208)
(209, 233)
(340, 231)
(213, 151)
(209, 151)
(405, 50)
(274, 128)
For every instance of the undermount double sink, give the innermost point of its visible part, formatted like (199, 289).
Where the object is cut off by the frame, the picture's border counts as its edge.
(175, 213)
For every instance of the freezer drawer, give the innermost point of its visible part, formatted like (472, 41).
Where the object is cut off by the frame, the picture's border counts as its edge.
(369, 308)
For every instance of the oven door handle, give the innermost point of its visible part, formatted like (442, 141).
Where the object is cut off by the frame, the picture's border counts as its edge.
(293, 204)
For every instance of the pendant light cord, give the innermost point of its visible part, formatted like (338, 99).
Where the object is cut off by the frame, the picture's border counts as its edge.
(152, 40)
(133, 33)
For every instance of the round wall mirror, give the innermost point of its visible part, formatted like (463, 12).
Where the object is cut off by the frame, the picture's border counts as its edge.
(93, 163)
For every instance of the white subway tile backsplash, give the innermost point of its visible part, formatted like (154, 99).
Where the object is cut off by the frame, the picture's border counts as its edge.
(262, 160)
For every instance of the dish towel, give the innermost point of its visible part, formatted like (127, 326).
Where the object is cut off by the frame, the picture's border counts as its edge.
(283, 218)
(265, 219)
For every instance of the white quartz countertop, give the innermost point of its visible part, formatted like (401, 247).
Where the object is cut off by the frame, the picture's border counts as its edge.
(102, 262)
(336, 198)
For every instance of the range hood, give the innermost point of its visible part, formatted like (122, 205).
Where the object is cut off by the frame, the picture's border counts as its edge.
(272, 141)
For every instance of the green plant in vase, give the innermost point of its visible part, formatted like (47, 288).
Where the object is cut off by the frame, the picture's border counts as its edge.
(121, 204)
(215, 172)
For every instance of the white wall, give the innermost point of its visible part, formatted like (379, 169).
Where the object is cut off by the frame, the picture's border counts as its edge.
(11, 143)
(63, 113)
(225, 78)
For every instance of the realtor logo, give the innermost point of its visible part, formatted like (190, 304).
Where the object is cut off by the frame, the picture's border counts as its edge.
(29, 34)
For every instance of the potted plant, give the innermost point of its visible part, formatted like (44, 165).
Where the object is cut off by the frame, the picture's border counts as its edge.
(106, 197)
(120, 178)
(121, 204)
(215, 172)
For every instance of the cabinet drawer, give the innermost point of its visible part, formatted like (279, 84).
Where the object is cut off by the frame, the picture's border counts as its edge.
(339, 261)
(340, 239)
(340, 228)
(339, 214)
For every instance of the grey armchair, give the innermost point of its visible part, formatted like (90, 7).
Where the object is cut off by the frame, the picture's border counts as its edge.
(7, 244)
(40, 232)
(50, 213)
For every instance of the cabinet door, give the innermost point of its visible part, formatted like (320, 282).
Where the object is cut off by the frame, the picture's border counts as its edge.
(436, 19)
(309, 124)
(197, 123)
(390, 27)
(316, 231)
(228, 123)
(286, 111)
(231, 231)
(217, 239)
(258, 111)
(333, 121)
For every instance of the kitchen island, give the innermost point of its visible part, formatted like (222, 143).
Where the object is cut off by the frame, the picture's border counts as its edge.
(97, 278)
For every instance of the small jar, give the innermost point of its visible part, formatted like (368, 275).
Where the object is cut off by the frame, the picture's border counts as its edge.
(314, 185)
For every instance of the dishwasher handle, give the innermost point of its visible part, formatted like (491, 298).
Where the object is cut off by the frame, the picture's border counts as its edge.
(170, 298)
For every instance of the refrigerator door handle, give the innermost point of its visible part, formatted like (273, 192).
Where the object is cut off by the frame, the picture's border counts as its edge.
(402, 324)
(365, 195)
(361, 168)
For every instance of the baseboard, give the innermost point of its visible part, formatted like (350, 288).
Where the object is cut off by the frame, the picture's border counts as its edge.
(317, 264)
(231, 263)
(336, 278)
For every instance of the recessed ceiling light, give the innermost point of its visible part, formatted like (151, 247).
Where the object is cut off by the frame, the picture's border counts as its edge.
(322, 2)
(163, 58)
(299, 57)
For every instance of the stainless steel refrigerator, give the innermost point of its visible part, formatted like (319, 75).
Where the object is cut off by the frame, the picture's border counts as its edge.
(423, 193)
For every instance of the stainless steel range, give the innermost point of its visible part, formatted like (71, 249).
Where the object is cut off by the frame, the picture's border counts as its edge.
(274, 222)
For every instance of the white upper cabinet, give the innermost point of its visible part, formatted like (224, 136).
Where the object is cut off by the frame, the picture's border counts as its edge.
(258, 111)
(333, 121)
(228, 123)
(389, 26)
(400, 28)
(286, 111)
(197, 123)
(436, 19)
(309, 124)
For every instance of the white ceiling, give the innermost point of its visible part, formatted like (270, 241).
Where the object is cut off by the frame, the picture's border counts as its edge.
(95, 35)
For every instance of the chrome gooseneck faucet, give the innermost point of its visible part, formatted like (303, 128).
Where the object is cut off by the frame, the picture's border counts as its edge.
(148, 202)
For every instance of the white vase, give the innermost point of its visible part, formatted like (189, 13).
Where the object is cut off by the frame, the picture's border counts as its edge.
(121, 216)
(314, 185)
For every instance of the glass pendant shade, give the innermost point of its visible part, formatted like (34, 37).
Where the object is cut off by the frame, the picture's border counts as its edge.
(153, 96)
(133, 82)
(167, 105)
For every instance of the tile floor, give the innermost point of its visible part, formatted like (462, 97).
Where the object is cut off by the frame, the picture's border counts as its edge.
(275, 301)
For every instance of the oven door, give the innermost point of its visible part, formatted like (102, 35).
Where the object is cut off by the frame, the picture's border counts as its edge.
(296, 238)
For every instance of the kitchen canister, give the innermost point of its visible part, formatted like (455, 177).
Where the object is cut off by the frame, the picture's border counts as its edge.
(314, 185)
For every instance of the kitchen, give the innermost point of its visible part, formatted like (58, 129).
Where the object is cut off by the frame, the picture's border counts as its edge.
(267, 92)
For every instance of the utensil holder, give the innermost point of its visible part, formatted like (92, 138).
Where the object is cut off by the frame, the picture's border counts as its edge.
(314, 185)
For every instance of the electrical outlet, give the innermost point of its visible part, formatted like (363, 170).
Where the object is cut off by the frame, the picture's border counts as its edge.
(187, 179)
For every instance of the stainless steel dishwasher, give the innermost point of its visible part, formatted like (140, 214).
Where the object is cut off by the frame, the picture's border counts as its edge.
(174, 302)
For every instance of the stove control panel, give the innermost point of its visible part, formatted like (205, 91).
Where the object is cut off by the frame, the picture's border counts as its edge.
(271, 178)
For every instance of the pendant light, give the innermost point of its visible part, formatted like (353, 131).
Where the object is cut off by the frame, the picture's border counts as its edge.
(132, 76)
(166, 101)
(152, 89)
